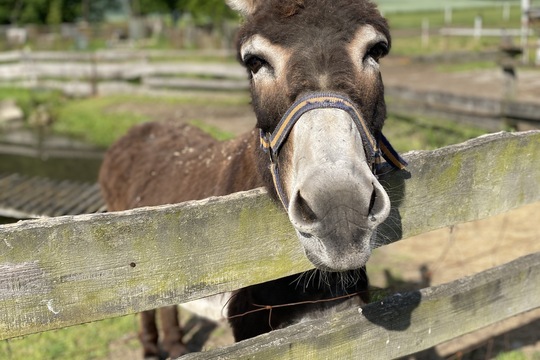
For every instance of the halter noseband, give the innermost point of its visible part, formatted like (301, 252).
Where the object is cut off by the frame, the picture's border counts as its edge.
(271, 142)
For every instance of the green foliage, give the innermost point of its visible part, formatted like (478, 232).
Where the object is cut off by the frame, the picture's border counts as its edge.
(492, 16)
(412, 45)
(54, 15)
(214, 10)
(54, 12)
(33, 12)
(23, 97)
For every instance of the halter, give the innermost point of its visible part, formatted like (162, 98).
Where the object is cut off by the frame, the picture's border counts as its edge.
(271, 143)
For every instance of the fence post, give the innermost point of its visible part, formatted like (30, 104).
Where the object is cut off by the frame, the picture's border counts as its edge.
(478, 27)
(525, 7)
(538, 53)
(425, 33)
(448, 15)
(506, 11)
(93, 74)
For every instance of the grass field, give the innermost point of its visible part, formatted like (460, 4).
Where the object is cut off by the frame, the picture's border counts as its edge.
(406, 27)
(421, 6)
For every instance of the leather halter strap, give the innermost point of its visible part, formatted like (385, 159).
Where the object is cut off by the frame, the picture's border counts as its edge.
(374, 149)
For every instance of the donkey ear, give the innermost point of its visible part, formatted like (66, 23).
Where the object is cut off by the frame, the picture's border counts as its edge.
(244, 7)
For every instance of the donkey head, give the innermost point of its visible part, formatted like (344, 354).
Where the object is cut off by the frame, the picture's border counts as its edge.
(319, 100)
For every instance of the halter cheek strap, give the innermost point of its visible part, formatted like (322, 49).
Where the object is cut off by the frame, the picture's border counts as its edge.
(374, 149)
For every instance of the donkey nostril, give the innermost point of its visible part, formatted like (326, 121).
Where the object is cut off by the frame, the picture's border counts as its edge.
(372, 201)
(302, 209)
(379, 205)
(371, 213)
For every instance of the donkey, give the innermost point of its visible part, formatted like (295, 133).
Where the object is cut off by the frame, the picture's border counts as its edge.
(318, 97)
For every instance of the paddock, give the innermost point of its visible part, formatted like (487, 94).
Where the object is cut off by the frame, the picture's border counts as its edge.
(69, 270)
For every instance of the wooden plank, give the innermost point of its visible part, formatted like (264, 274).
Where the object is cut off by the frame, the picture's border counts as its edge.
(477, 179)
(404, 323)
(75, 269)
(112, 55)
(478, 107)
(69, 270)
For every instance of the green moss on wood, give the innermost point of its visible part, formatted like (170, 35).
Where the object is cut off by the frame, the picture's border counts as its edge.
(186, 251)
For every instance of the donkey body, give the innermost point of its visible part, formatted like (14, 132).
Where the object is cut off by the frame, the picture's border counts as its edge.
(319, 101)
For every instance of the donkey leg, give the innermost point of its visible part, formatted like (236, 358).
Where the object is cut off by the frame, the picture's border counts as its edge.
(148, 334)
(171, 332)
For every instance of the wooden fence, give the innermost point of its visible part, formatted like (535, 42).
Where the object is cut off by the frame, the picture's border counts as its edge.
(158, 72)
(484, 112)
(122, 71)
(69, 270)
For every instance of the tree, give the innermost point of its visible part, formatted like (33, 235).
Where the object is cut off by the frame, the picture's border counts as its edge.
(59, 11)
(55, 11)
(203, 11)
(214, 10)
(54, 16)
(34, 12)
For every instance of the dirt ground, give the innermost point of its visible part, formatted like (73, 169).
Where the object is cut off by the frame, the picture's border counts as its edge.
(466, 249)
(448, 253)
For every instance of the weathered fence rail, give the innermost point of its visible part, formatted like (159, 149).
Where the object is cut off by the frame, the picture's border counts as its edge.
(485, 112)
(70, 270)
(113, 71)
(402, 324)
(116, 55)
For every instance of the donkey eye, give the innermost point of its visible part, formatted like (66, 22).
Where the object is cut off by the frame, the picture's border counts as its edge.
(378, 51)
(255, 63)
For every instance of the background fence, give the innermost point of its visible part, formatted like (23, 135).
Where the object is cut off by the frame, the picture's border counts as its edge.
(156, 71)
(122, 71)
(70, 270)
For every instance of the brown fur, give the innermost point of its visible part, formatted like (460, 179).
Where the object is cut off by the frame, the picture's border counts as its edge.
(165, 163)
(317, 33)
(160, 163)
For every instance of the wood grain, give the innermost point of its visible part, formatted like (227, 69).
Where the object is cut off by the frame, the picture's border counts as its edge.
(70, 270)
(401, 324)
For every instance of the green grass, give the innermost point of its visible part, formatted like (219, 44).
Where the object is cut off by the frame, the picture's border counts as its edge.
(468, 66)
(87, 341)
(491, 17)
(426, 133)
(513, 355)
(93, 120)
(213, 131)
(28, 99)
(89, 120)
(409, 43)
